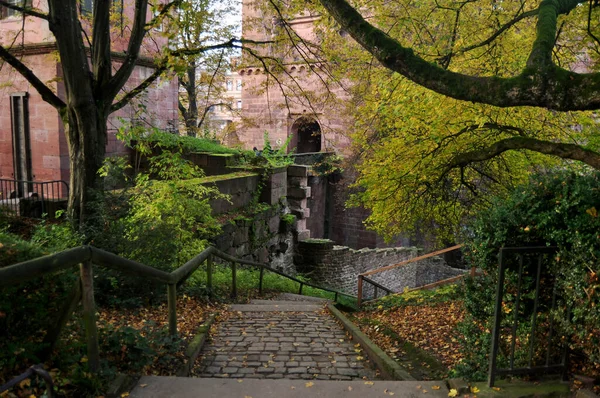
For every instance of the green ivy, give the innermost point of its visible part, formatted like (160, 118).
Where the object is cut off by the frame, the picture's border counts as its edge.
(558, 208)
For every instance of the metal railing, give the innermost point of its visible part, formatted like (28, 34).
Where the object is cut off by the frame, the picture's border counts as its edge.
(32, 198)
(362, 278)
(85, 256)
(535, 257)
(35, 370)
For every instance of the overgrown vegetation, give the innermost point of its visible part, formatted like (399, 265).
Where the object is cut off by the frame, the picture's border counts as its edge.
(553, 209)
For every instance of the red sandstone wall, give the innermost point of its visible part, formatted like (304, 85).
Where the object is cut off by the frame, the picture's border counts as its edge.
(48, 149)
(270, 110)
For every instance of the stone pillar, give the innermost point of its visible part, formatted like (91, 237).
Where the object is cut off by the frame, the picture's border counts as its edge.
(298, 192)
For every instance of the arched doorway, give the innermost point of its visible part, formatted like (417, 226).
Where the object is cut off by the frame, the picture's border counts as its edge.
(306, 135)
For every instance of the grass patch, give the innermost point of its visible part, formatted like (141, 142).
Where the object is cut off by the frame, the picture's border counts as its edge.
(247, 285)
(416, 298)
(190, 144)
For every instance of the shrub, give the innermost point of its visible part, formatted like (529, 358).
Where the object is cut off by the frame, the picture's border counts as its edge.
(28, 309)
(560, 209)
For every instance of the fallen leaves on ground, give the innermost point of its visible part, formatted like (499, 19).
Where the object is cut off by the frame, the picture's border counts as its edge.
(430, 328)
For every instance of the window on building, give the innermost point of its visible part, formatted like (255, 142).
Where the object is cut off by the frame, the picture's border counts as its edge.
(229, 85)
(19, 117)
(238, 85)
(239, 104)
(6, 12)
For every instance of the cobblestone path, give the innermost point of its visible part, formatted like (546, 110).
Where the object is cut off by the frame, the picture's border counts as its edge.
(282, 341)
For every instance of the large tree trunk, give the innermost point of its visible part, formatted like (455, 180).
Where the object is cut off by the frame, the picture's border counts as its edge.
(86, 136)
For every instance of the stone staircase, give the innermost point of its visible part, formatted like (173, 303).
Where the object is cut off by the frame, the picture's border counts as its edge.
(289, 347)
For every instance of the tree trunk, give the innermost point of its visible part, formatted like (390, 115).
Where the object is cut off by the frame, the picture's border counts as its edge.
(86, 136)
(191, 116)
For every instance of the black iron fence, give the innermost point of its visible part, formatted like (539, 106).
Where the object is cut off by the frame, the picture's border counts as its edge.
(525, 340)
(32, 198)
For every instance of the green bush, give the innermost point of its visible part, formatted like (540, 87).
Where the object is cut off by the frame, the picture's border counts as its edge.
(28, 309)
(558, 209)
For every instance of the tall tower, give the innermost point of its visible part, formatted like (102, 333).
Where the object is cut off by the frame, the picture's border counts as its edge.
(293, 100)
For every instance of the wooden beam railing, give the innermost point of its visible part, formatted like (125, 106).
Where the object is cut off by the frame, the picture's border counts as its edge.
(86, 256)
(362, 277)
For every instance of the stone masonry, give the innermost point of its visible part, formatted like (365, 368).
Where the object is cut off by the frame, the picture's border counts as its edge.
(277, 345)
(339, 266)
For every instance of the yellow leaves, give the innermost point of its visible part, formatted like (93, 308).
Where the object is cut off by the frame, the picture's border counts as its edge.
(83, 360)
(25, 383)
(474, 390)
(125, 394)
(592, 212)
(435, 387)
(388, 392)
(369, 383)
(359, 358)
(453, 392)
(309, 384)
(496, 388)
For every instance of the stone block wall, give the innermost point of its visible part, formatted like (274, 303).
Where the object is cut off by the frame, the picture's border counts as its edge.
(298, 193)
(339, 266)
(241, 191)
(263, 238)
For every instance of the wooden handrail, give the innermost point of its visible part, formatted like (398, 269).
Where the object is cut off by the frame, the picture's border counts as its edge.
(28, 270)
(362, 277)
(412, 260)
(85, 256)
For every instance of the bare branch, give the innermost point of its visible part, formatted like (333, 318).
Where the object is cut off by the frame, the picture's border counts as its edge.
(133, 51)
(138, 89)
(45, 91)
(208, 91)
(24, 10)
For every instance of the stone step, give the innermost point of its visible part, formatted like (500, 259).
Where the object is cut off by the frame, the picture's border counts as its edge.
(161, 386)
(283, 302)
(299, 297)
(287, 306)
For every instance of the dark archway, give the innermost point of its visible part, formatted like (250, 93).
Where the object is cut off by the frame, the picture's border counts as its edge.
(306, 135)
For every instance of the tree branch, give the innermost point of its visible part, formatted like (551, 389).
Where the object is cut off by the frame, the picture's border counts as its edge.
(138, 89)
(133, 50)
(493, 37)
(559, 149)
(551, 87)
(101, 57)
(25, 10)
(41, 88)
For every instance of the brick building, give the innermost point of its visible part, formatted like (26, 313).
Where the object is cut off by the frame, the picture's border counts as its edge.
(282, 109)
(318, 125)
(33, 145)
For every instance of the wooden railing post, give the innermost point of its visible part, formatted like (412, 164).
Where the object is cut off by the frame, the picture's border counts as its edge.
(260, 281)
(473, 272)
(233, 279)
(209, 281)
(300, 290)
(172, 304)
(53, 334)
(360, 291)
(89, 315)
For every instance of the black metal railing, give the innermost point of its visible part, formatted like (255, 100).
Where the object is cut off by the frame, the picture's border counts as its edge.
(32, 198)
(35, 370)
(542, 350)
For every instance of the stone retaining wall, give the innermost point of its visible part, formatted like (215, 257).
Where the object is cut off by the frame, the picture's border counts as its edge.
(264, 238)
(339, 266)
